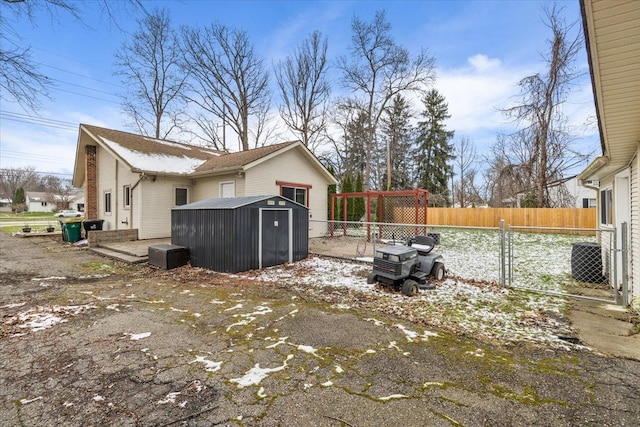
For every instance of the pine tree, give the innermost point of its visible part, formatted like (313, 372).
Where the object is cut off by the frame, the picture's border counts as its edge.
(331, 189)
(434, 151)
(397, 132)
(346, 187)
(358, 202)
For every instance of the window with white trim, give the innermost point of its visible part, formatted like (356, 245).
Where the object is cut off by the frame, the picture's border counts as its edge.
(606, 206)
(228, 189)
(296, 194)
(181, 196)
(126, 196)
(107, 202)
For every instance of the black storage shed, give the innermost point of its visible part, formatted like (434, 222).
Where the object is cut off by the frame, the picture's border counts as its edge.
(242, 233)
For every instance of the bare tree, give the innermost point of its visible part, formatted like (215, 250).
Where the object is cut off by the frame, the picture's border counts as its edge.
(20, 79)
(465, 158)
(150, 66)
(377, 70)
(305, 89)
(539, 111)
(13, 178)
(229, 78)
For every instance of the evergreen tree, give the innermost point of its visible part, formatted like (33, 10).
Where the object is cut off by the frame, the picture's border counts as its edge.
(331, 189)
(19, 200)
(434, 151)
(358, 202)
(397, 133)
(346, 187)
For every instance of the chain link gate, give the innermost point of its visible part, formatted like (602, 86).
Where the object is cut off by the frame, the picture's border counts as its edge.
(585, 262)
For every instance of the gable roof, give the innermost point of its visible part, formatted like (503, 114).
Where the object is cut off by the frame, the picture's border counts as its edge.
(163, 157)
(612, 36)
(241, 158)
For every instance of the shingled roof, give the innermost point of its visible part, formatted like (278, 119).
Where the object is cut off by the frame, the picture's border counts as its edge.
(242, 158)
(159, 156)
(147, 154)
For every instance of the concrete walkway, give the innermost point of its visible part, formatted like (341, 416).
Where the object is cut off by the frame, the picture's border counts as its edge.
(607, 328)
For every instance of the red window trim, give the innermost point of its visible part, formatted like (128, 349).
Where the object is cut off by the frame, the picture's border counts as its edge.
(295, 185)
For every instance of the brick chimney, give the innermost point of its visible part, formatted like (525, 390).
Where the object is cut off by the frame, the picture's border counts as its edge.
(90, 183)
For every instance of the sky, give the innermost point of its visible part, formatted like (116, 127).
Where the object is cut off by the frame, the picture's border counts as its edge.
(481, 50)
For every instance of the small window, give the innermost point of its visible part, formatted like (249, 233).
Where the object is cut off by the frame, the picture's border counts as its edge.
(298, 195)
(43, 203)
(107, 202)
(588, 203)
(181, 196)
(126, 196)
(606, 206)
(227, 189)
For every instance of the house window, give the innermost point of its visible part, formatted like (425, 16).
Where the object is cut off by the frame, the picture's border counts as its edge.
(606, 206)
(126, 196)
(228, 189)
(294, 191)
(588, 203)
(298, 195)
(43, 203)
(181, 196)
(107, 202)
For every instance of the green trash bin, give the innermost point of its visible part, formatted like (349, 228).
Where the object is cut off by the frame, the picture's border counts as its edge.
(71, 230)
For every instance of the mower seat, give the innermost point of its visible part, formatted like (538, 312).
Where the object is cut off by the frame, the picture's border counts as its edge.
(423, 244)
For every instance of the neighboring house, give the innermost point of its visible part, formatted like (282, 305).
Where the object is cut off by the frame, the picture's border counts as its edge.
(76, 201)
(564, 193)
(40, 202)
(132, 181)
(5, 205)
(612, 34)
(567, 192)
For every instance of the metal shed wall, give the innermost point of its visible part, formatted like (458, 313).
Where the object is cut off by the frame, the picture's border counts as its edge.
(223, 234)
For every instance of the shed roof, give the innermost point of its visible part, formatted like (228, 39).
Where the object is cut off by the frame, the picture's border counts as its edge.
(231, 202)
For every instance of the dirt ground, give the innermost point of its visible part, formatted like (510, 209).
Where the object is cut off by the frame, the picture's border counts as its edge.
(84, 341)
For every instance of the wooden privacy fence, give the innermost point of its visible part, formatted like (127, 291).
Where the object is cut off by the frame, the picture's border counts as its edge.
(516, 217)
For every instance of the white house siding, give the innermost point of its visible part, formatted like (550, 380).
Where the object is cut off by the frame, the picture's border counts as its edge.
(291, 166)
(634, 231)
(36, 206)
(209, 188)
(157, 198)
(107, 173)
(122, 213)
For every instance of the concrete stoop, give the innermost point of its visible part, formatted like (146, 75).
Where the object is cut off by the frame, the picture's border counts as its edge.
(119, 255)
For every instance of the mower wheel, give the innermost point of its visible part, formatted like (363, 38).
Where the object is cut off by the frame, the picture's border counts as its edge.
(410, 287)
(371, 278)
(438, 271)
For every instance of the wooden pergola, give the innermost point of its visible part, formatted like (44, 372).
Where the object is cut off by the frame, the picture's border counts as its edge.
(420, 197)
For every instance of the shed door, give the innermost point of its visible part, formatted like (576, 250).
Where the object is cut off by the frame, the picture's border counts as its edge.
(276, 242)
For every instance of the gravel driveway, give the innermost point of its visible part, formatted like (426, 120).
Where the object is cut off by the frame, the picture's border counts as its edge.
(84, 341)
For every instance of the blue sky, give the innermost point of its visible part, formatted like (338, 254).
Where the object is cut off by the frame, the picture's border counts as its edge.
(481, 49)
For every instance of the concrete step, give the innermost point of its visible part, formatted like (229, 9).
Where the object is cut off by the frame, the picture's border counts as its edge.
(120, 256)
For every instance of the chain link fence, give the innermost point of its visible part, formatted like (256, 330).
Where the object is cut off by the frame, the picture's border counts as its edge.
(558, 260)
(549, 260)
(469, 253)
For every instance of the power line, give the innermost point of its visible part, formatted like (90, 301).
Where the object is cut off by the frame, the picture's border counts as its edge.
(44, 156)
(81, 75)
(39, 121)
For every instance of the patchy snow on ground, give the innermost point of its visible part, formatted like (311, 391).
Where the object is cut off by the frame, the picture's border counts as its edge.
(471, 307)
(40, 318)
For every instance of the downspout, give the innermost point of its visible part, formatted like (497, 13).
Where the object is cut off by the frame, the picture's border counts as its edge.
(142, 176)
